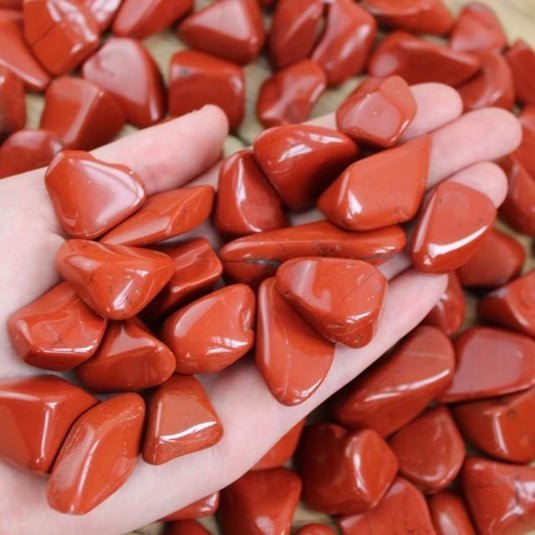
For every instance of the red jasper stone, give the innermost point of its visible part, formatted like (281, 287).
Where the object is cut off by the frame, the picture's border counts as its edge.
(164, 215)
(451, 227)
(57, 331)
(141, 20)
(341, 298)
(294, 31)
(128, 358)
(430, 450)
(12, 103)
(378, 112)
(81, 114)
(420, 61)
(17, 57)
(402, 510)
(344, 472)
(61, 33)
(26, 150)
(37, 413)
(289, 95)
(197, 269)
(196, 79)
(449, 514)
(490, 362)
(90, 196)
(381, 190)
(315, 529)
(116, 281)
(98, 455)
(302, 160)
(521, 59)
(511, 305)
(13, 15)
(500, 496)
(11, 4)
(398, 387)
(477, 28)
(125, 69)
(246, 203)
(230, 29)
(417, 16)
(212, 332)
(501, 427)
(204, 507)
(186, 527)
(291, 356)
(526, 152)
(492, 86)
(282, 451)
(254, 258)
(180, 420)
(266, 498)
(498, 261)
(346, 41)
(449, 313)
(102, 10)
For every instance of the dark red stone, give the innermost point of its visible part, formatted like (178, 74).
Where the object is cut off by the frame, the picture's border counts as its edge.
(521, 59)
(526, 152)
(12, 103)
(449, 514)
(204, 507)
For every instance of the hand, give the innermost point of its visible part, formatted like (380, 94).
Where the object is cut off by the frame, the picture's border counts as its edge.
(171, 155)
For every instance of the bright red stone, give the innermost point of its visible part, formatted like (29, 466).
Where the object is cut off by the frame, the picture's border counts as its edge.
(186, 527)
(399, 386)
(526, 152)
(37, 413)
(102, 10)
(315, 529)
(449, 514)
(12, 103)
(521, 59)
(204, 507)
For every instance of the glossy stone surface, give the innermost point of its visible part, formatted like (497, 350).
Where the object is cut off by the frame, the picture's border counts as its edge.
(449, 514)
(56, 331)
(292, 357)
(260, 502)
(81, 114)
(381, 190)
(115, 281)
(17, 56)
(186, 527)
(124, 68)
(398, 387)
(212, 332)
(289, 95)
(450, 311)
(451, 227)
(140, 20)
(163, 216)
(344, 472)
(26, 150)
(302, 160)
(294, 31)
(417, 16)
(102, 10)
(430, 450)
(197, 269)
(420, 61)
(254, 258)
(204, 507)
(196, 79)
(492, 86)
(502, 427)
(12, 103)
(98, 455)
(180, 420)
(61, 33)
(500, 496)
(498, 261)
(511, 305)
(341, 298)
(315, 529)
(282, 451)
(230, 29)
(37, 413)
(526, 152)
(521, 59)
(378, 112)
(403, 510)
(246, 203)
(490, 362)
(90, 196)
(129, 358)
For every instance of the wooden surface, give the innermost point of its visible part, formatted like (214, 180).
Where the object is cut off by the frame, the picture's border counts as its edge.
(517, 17)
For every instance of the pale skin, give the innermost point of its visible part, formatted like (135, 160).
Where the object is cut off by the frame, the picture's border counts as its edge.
(171, 155)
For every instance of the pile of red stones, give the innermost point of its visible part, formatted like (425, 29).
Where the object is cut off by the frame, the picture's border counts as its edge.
(139, 318)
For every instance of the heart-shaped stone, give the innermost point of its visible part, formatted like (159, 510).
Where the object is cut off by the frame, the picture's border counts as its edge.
(449, 514)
